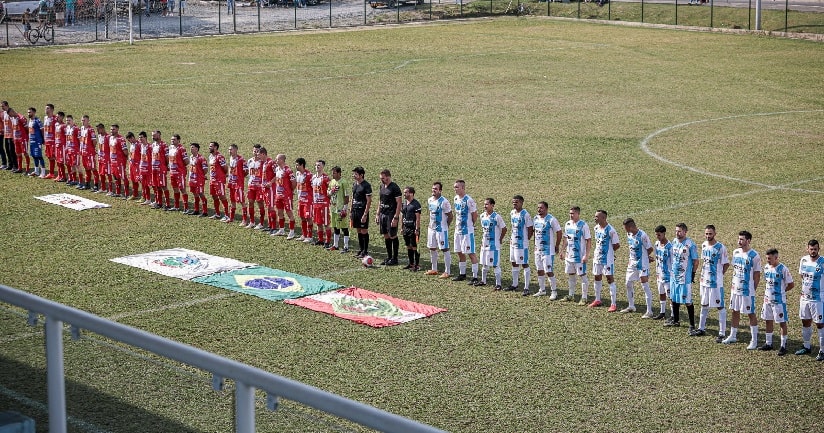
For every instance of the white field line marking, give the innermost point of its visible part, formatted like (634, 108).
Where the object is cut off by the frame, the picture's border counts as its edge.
(644, 144)
(79, 423)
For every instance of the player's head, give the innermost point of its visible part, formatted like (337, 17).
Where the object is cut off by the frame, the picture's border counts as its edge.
(156, 135)
(49, 109)
(213, 146)
(386, 176)
(195, 147)
(61, 115)
(629, 226)
(709, 232)
(489, 205)
(661, 233)
(681, 231)
(233, 149)
(129, 135)
(575, 213)
(336, 172)
(31, 112)
(460, 187)
(115, 129)
(176, 138)
(409, 192)
(101, 128)
(517, 202)
(358, 173)
(263, 153)
(300, 163)
(601, 217)
(280, 159)
(320, 165)
(744, 239)
(772, 256)
(813, 248)
(437, 187)
(142, 135)
(4, 105)
(543, 207)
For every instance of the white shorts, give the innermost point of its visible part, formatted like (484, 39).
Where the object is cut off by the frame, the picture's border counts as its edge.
(465, 244)
(519, 256)
(812, 310)
(776, 312)
(742, 304)
(544, 262)
(663, 288)
(603, 269)
(635, 274)
(490, 258)
(437, 239)
(576, 268)
(712, 296)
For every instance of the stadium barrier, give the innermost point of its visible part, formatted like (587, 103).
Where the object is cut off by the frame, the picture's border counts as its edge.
(247, 378)
(120, 20)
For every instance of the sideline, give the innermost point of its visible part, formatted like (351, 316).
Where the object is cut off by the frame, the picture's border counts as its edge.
(41, 407)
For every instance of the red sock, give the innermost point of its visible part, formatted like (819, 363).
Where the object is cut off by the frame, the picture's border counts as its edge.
(177, 199)
(328, 235)
(19, 161)
(186, 200)
(51, 167)
(28, 162)
(232, 214)
(292, 225)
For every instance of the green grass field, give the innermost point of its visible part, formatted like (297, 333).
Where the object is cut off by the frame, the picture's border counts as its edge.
(555, 111)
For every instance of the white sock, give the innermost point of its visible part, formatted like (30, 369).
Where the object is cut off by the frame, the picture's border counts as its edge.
(542, 283)
(527, 273)
(572, 284)
(647, 296)
(474, 270)
(820, 339)
(335, 239)
(768, 338)
(553, 284)
(515, 275)
(584, 286)
(483, 274)
(783, 341)
(754, 334)
(630, 293)
(433, 256)
(597, 285)
(447, 262)
(345, 240)
(462, 268)
(722, 321)
(806, 335)
(663, 306)
(702, 320)
(497, 275)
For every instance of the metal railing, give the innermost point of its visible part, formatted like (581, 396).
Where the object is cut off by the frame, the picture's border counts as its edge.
(247, 378)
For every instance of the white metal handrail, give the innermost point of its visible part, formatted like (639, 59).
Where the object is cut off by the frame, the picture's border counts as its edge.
(246, 377)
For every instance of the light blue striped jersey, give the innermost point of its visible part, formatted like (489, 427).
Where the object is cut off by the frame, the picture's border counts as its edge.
(812, 278)
(713, 257)
(744, 265)
(576, 236)
(683, 255)
(545, 229)
(663, 261)
(777, 278)
(492, 224)
(605, 238)
(438, 210)
(639, 246)
(464, 208)
(519, 236)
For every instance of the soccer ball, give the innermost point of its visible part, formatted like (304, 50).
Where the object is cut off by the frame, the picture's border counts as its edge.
(367, 261)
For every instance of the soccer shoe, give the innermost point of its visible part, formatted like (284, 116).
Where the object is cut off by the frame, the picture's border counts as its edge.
(672, 323)
(473, 282)
(332, 248)
(647, 315)
(259, 226)
(583, 302)
(416, 268)
(409, 266)
(719, 339)
(432, 272)
(782, 351)
(498, 288)
(215, 216)
(32, 174)
(525, 293)
(172, 209)
(109, 194)
(691, 331)
(568, 298)
(628, 310)
(459, 277)
(280, 232)
(225, 219)
(49, 176)
(697, 333)
(820, 356)
(765, 348)
(804, 351)
(553, 296)
(301, 238)
(511, 289)
(272, 233)
(444, 276)
(729, 340)
(145, 203)
(752, 346)
(307, 240)
(392, 262)
(290, 237)
(596, 303)
(540, 293)
(204, 215)
(612, 308)
(385, 262)
(659, 316)
(344, 250)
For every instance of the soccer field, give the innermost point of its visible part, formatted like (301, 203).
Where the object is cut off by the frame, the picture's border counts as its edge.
(664, 126)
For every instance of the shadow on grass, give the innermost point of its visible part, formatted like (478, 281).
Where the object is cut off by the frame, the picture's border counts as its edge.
(23, 389)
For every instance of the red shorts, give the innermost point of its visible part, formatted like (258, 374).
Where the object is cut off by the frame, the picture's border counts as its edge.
(158, 179)
(236, 194)
(134, 172)
(88, 162)
(196, 188)
(320, 214)
(103, 165)
(49, 150)
(72, 158)
(217, 189)
(255, 193)
(59, 154)
(178, 181)
(116, 170)
(305, 210)
(283, 202)
(20, 146)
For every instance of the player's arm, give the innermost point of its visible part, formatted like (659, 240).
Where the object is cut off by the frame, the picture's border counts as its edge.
(756, 277)
(615, 242)
(418, 223)
(562, 250)
(449, 217)
(503, 235)
(724, 268)
(366, 209)
(790, 286)
(558, 239)
(474, 216)
(396, 218)
(651, 254)
(587, 246)
(694, 267)
(529, 232)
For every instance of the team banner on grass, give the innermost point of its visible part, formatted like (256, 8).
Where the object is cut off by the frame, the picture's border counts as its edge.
(72, 201)
(181, 263)
(365, 307)
(268, 283)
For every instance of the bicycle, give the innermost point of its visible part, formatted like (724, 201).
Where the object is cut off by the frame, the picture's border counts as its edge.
(45, 31)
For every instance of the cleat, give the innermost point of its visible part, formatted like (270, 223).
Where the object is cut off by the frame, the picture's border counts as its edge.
(583, 302)
(765, 348)
(753, 345)
(279, 233)
(215, 216)
(432, 272)
(568, 298)
(691, 331)
(804, 351)
(479, 283)
(719, 339)
(553, 296)
(729, 340)
(360, 255)
(392, 262)
(204, 215)
(416, 268)
(647, 315)
(672, 323)
(308, 241)
(259, 226)
(409, 266)
(225, 219)
(460, 277)
(782, 351)
(511, 289)
(540, 293)
(628, 310)
(820, 356)
(525, 293)
(473, 282)
(344, 250)
(385, 262)
(698, 333)
(612, 308)
(596, 303)
(290, 237)
(332, 248)
(659, 316)
(498, 288)
(301, 238)
(444, 276)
